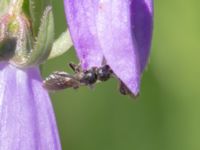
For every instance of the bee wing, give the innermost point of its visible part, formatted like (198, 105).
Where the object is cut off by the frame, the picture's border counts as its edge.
(59, 81)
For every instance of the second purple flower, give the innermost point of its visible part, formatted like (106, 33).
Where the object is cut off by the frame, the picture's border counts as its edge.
(113, 32)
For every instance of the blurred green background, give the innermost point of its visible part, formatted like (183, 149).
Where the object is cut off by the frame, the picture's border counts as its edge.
(166, 116)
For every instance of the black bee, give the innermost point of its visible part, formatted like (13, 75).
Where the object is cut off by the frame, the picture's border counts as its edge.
(62, 80)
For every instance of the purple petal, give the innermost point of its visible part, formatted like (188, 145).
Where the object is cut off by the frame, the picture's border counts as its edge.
(81, 16)
(118, 44)
(142, 24)
(27, 119)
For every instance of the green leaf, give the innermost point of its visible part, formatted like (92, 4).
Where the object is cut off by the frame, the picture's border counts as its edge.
(36, 8)
(44, 39)
(61, 45)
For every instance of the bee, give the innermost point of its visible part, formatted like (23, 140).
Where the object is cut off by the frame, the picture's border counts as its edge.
(60, 80)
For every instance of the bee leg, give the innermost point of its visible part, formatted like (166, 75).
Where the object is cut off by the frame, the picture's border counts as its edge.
(123, 89)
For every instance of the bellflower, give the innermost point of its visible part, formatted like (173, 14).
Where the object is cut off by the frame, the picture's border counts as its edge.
(27, 119)
(117, 32)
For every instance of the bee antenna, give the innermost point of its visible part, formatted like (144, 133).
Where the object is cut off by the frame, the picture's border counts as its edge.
(74, 67)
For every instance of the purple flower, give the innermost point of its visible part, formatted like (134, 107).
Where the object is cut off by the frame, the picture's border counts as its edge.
(116, 31)
(27, 119)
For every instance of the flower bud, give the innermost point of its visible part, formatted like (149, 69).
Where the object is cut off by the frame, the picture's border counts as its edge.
(18, 44)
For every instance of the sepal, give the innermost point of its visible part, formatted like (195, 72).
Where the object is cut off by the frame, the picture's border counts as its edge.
(44, 40)
(36, 9)
(34, 52)
(61, 45)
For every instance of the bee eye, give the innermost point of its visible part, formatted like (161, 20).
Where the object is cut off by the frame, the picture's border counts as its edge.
(89, 77)
(104, 73)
